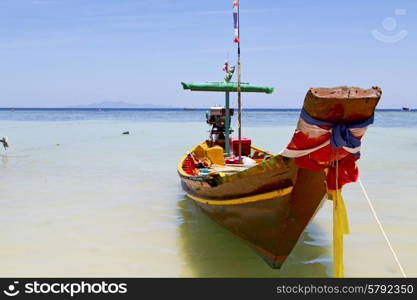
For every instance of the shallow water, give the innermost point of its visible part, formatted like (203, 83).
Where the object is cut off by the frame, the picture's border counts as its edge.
(78, 198)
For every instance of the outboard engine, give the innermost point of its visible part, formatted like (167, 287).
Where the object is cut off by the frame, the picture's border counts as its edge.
(216, 117)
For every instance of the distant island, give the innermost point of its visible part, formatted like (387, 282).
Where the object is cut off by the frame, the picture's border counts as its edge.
(119, 104)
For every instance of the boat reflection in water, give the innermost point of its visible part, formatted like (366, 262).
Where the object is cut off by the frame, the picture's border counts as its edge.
(211, 251)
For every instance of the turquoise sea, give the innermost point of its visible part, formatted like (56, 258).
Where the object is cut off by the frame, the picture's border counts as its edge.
(78, 198)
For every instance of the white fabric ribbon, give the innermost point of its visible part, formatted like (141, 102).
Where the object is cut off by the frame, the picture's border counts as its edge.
(314, 131)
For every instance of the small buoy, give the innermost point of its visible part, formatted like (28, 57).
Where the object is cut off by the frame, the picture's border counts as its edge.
(126, 132)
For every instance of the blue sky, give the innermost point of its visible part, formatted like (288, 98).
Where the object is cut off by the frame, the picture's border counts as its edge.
(57, 53)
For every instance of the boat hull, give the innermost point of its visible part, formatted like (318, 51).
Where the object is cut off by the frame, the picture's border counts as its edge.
(269, 222)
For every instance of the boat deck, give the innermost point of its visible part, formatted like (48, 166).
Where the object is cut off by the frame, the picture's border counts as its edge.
(229, 168)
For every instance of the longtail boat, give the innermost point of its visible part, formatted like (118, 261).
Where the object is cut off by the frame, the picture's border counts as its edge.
(268, 199)
(270, 203)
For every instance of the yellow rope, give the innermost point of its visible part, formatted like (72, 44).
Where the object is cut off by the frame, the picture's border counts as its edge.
(340, 223)
(340, 227)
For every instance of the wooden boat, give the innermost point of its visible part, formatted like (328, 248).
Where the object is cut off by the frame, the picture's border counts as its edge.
(269, 204)
(268, 199)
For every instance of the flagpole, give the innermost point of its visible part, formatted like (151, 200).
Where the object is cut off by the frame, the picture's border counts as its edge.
(239, 98)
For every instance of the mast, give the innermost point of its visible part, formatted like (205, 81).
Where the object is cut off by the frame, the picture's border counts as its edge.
(227, 87)
(227, 125)
(239, 98)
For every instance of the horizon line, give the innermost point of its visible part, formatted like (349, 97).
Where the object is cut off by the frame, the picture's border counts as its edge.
(165, 108)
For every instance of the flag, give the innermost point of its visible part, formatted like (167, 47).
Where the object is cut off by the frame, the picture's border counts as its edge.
(226, 66)
(236, 20)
